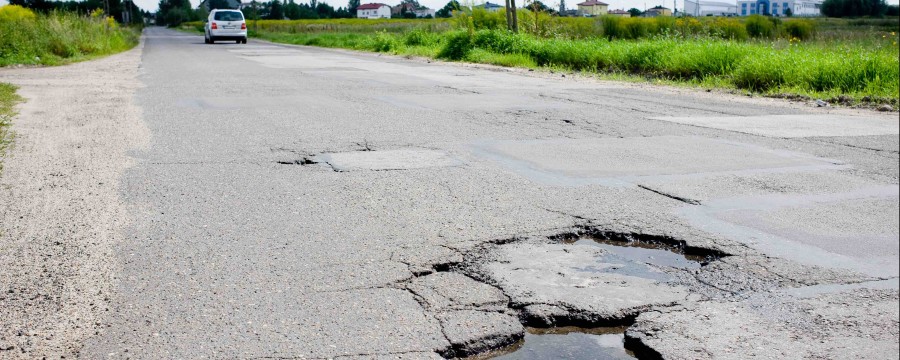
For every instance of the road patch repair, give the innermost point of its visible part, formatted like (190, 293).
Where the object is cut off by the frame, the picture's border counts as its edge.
(793, 126)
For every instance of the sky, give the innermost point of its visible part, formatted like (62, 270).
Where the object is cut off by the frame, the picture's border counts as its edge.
(151, 5)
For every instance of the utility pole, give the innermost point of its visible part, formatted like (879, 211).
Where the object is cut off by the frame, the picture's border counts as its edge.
(512, 19)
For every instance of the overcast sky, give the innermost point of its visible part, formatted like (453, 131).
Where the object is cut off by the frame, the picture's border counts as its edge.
(151, 5)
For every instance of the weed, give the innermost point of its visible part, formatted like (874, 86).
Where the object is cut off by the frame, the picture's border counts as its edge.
(8, 100)
(58, 38)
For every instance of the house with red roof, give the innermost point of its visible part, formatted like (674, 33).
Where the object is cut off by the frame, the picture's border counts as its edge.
(593, 8)
(373, 11)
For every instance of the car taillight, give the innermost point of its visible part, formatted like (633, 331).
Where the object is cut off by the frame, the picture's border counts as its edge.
(243, 26)
(213, 26)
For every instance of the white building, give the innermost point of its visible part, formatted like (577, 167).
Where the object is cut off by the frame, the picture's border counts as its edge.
(778, 7)
(373, 11)
(709, 8)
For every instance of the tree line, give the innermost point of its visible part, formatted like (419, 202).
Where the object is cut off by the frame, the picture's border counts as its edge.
(858, 8)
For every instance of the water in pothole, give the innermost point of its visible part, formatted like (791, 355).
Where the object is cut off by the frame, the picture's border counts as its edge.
(638, 258)
(567, 343)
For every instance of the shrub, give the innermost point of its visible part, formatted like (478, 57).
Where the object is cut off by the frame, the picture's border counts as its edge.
(759, 26)
(384, 42)
(800, 29)
(456, 46)
(420, 37)
(15, 13)
(727, 28)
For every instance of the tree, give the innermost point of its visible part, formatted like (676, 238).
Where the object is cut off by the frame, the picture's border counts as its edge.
(352, 5)
(292, 10)
(276, 10)
(414, 3)
(218, 4)
(537, 5)
(635, 12)
(447, 10)
(788, 12)
(854, 8)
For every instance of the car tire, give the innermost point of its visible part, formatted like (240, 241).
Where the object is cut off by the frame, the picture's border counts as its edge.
(206, 40)
(244, 41)
(211, 40)
(237, 41)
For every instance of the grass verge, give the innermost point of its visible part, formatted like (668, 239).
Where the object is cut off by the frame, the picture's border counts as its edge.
(844, 72)
(8, 101)
(59, 38)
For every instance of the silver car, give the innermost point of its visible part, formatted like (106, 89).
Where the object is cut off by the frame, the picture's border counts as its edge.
(225, 24)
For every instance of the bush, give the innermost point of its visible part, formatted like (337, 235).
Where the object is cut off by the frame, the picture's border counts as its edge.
(456, 46)
(727, 28)
(384, 42)
(799, 29)
(15, 13)
(759, 26)
(420, 37)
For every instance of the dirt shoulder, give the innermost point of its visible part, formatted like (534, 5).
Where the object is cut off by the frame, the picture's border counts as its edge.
(60, 208)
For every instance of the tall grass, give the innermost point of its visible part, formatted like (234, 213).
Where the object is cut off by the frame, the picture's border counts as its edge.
(57, 38)
(8, 100)
(813, 69)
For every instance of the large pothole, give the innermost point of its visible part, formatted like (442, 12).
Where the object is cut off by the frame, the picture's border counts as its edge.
(576, 292)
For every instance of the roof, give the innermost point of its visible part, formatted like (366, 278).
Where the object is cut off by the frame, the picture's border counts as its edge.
(619, 12)
(371, 6)
(714, 3)
(659, 7)
(491, 5)
(592, 3)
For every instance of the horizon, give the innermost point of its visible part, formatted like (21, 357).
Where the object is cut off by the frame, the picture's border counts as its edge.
(153, 5)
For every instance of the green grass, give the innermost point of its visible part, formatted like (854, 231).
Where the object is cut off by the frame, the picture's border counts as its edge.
(865, 73)
(8, 100)
(61, 38)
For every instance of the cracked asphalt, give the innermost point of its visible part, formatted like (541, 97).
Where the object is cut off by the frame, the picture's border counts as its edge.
(271, 201)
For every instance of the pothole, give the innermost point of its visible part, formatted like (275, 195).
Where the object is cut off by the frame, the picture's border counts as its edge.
(565, 343)
(572, 297)
(303, 161)
(648, 249)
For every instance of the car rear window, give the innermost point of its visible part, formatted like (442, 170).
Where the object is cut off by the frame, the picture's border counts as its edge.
(228, 16)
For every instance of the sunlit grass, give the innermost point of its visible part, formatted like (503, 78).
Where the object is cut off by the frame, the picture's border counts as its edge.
(59, 38)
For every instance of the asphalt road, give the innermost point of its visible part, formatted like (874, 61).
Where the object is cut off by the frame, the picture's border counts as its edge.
(296, 202)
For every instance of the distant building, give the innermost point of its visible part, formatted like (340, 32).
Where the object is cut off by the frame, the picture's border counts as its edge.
(621, 13)
(709, 8)
(779, 7)
(373, 11)
(410, 8)
(658, 11)
(593, 8)
(491, 7)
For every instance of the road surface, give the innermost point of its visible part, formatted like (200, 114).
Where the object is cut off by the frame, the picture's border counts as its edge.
(185, 200)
